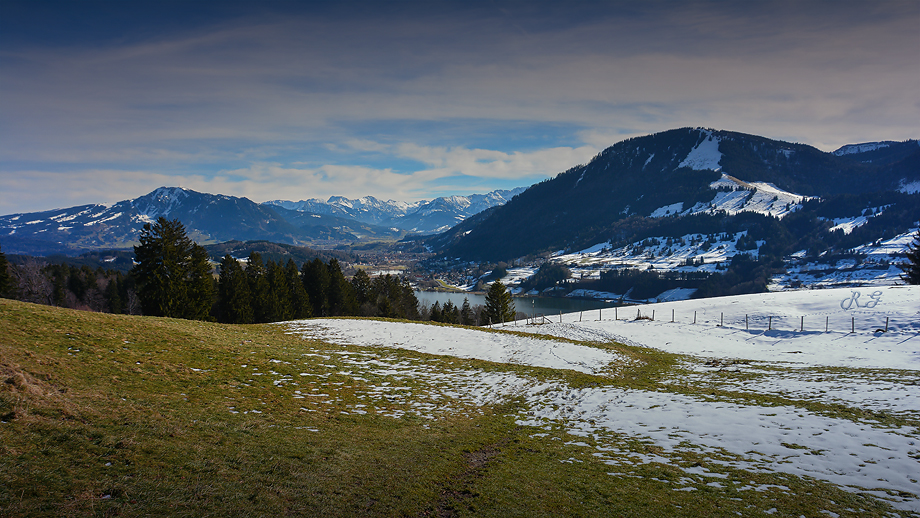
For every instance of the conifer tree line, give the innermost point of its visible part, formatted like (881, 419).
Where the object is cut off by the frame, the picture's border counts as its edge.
(173, 277)
(449, 313)
(175, 280)
(269, 292)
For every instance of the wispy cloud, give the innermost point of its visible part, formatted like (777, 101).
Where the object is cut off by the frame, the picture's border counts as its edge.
(408, 98)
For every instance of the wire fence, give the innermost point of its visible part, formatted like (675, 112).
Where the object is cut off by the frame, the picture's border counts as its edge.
(858, 314)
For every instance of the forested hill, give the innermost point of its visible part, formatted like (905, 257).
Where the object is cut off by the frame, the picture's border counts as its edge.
(648, 181)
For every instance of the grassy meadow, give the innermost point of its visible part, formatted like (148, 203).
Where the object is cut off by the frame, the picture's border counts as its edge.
(109, 415)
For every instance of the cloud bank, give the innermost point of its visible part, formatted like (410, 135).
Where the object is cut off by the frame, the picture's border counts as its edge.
(414, 100)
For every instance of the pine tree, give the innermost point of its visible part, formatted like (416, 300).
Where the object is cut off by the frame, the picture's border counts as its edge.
(436, 312)
(258, 288)
(450, 314)
(499, 305)
(172, 273)
(408, 302)
(341, 296)
(394, 298)
(466, 313)
(300, 301)
(361, 284)
(911, 268)
(234, 306)
(315, 277)
(279, 296)
(113, 297)
(200, 286)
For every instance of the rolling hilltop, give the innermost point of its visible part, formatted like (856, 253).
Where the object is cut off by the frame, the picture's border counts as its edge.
(688, 181)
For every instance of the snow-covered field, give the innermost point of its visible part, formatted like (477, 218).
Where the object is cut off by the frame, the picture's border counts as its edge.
(773, 391)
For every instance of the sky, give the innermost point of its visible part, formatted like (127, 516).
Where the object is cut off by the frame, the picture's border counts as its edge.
(102, 101)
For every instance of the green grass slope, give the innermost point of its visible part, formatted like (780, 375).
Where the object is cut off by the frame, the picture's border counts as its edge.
(106, 415)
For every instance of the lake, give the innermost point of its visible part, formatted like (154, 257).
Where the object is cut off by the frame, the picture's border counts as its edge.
(528, 305)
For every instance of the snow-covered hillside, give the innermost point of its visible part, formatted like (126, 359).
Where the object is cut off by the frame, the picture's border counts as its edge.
(759, 197)
(772, 393)
(688, 253)
(877, 263)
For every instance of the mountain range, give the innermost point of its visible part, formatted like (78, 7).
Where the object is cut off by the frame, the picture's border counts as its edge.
(422, 217)
(702, 181)
(214, 218)
(685, 200)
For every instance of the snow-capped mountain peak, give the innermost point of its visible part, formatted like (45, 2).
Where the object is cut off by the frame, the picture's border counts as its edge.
(424, 216)
(159, 203)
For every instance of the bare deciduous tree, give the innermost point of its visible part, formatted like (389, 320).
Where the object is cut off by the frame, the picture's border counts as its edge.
(31, 282)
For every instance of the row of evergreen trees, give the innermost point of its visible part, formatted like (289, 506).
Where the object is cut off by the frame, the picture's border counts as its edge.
(269, 292)
(174, 280)
(499, 308)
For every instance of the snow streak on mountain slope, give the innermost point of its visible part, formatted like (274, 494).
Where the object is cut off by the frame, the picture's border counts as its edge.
(759, 197)
(909, 187)
(866, 147)
(763, 198)
(159, 203)
(852, 149)
(705, 155)
(714, 439)
(688, 253)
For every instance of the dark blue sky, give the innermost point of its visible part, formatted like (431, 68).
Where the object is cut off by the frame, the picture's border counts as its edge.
(103, 101)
